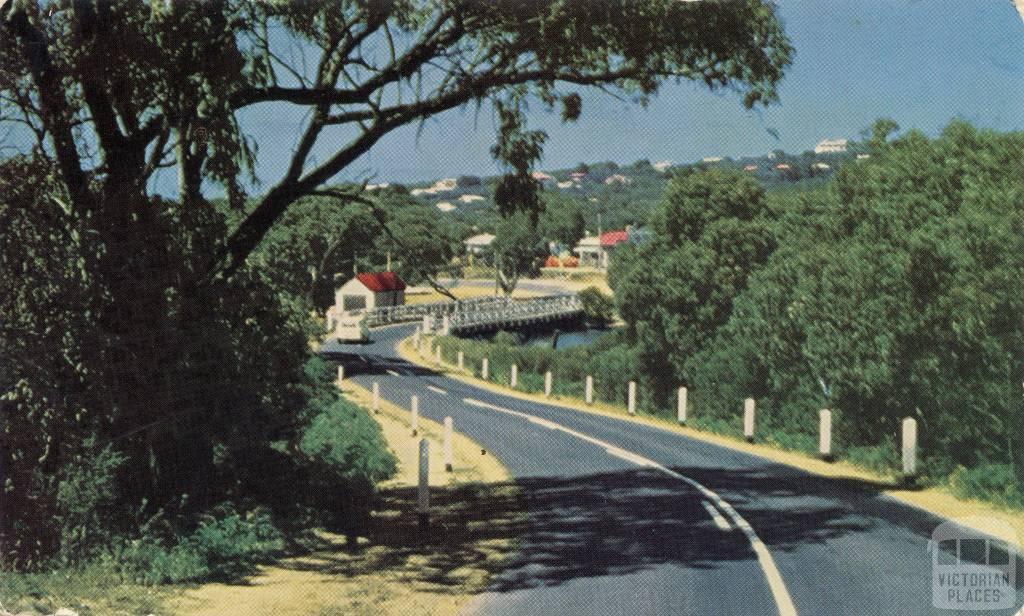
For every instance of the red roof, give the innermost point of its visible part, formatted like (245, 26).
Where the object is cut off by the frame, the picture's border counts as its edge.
(612, 238)
(381, 281)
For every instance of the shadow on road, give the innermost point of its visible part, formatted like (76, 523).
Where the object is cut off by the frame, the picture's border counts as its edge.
(545, 531)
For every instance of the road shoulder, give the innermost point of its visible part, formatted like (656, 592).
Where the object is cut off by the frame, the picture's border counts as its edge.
(933, 500)
(397, 570)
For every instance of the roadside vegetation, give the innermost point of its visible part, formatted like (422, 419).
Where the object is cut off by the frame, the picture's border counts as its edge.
(892, 291)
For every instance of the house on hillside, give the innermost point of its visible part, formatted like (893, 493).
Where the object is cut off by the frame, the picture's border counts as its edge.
(471, 198)
(370, 290)
(831, 146)
(595, 250)
(477, 244)
(619, 179)
(545, 180)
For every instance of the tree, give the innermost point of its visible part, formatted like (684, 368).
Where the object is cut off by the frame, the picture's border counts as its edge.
(675, 291)
(517, 250)
(562, 220)
(104, 93)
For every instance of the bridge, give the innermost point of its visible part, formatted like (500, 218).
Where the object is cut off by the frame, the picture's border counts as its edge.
(472, 315)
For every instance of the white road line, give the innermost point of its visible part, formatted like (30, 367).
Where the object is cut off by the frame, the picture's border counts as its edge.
(783, 601)
(393, 373)
(437, 390)
(720, 522)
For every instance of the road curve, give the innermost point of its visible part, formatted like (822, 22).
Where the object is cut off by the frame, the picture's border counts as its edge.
(627, 519)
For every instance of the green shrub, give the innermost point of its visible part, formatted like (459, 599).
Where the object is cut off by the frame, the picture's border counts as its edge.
(86, 498)
(598, 308)
(226, 546)
(991, 482)
(345, 455)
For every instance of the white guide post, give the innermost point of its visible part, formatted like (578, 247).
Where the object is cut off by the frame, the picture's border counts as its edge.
(825, 434)
(909, 448)
(748, 419)
(423, 491)
(415, 414)
(448, 429)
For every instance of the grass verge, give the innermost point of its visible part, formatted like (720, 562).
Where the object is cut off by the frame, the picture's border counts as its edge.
(396, 569)
(938, 500)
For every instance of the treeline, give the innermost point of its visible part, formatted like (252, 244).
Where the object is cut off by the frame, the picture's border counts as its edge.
(168, 429)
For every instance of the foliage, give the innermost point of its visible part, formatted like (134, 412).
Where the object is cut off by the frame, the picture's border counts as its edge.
(598, 307)
(673, 292)
(139, 325)
(226, 546)
(322, 240)
(891, 295)
(517, 251)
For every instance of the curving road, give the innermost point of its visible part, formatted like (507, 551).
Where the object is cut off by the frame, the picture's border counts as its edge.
(627, 519)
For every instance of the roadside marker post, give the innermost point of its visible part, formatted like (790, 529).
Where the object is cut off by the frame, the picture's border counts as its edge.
(341, 374)
(376, 397)
(589, 396)
(547, 384)
(631, 398)
(485, 368)
(462, 361)
(825, 435)
(423, 489)
(448, 428)
(437, 354)
(415, 414)
(514, 377)
(681, 405)
(909, 449)
(748, 419)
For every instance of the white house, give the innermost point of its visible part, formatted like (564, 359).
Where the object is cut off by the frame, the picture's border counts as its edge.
(830, 146)
(619, 179)
(663, 165)
(445, 206)
(595, 250)
(370, 290)
(471, 198)
(477, 244)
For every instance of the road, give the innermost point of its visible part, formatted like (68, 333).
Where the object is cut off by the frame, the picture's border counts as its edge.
(627, 519)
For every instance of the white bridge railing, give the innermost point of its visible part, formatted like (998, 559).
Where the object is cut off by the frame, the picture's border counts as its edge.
(415, 312)
(511, 314)
(468, 315)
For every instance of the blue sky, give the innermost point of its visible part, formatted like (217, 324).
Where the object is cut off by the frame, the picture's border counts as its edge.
(920, 62)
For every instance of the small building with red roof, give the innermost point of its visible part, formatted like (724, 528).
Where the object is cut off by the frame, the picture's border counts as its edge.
(595, 251)
(370, 290)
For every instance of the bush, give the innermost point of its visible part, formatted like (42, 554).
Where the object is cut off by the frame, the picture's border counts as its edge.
(226, 546)
(346, 455)
(598, 308)
(992, 482)
(86, 499)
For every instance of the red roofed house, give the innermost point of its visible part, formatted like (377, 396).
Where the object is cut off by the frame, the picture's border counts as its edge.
(594, 251)
(370, 290)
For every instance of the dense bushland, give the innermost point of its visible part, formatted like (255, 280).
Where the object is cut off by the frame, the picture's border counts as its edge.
(893, 291)
(126, 440)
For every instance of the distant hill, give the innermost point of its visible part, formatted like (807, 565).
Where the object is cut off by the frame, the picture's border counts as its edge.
(613, 196)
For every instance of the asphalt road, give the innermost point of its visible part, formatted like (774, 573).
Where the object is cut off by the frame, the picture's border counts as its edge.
(628, 519)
